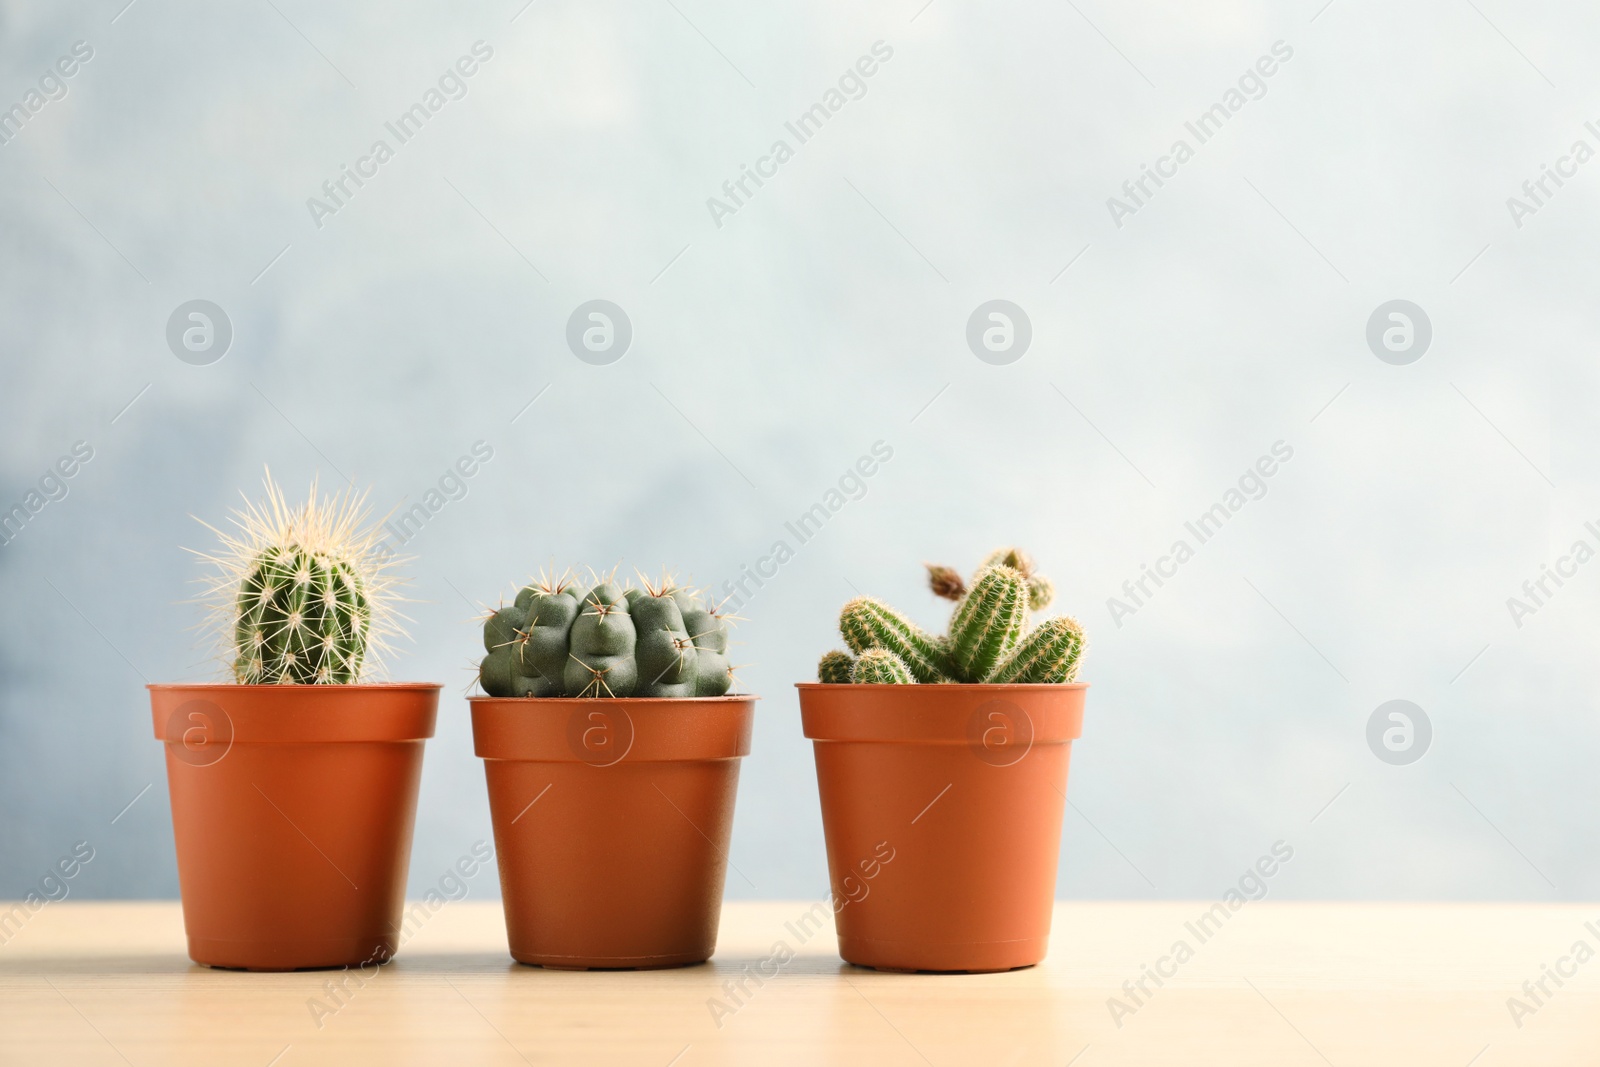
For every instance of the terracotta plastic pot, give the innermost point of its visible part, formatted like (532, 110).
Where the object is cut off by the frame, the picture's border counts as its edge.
(611, 823)
(292, 808)
(941, 809)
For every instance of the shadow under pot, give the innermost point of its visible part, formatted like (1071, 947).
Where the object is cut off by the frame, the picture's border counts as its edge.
(612, 819)
(941, 810)
(292, 811)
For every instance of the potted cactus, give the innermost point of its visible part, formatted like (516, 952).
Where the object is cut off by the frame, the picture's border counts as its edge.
(952, 751)
(611, 749)
(294, 783)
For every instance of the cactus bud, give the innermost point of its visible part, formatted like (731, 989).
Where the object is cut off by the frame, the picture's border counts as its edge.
(945, 582)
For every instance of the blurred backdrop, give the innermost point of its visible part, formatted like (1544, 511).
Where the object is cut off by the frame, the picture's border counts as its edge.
(1199, 219)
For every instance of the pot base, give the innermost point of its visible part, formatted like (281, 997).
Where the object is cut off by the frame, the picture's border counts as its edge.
(609, 963)
(281, 955)
(984, 957)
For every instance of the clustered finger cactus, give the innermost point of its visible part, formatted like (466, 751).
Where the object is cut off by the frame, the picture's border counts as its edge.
(990, 638)
(561, 639)
(301, 595)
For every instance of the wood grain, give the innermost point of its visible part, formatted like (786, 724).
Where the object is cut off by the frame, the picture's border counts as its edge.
(1280, 984)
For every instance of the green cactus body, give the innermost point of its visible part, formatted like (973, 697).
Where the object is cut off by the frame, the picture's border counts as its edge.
(605, 641)
(713, 675)
(866, 624)
(686, 600)
(503, 628)
(302, 618)
(1048, 654)
(544, 646)
(879, 666)
(494, 673)
(665, 652)
(834, 668)
(601, 645)
(1040, 590)
(532, 687)
(988, 624)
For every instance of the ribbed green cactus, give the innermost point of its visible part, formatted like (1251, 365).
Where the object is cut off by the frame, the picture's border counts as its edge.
(989, 639)
(667, 656)
(1048, 654)
(708, 631)
(878, 666)
(302, 620)
(601, 646)
(300, 595)
(988, 623)
(866, 624)
(606, 641)
(834, 668)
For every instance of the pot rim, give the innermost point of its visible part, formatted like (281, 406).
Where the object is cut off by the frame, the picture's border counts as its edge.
(1025, 714)
(963, 686)
(641, 729)
(224, 714)
(292, 686)
(726, 698)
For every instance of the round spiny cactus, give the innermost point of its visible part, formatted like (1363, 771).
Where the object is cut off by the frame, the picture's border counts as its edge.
(301, 595)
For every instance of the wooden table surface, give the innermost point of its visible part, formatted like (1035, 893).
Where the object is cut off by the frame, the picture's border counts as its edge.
(1279, 983)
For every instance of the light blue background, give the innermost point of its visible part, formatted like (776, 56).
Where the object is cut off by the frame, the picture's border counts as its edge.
(830, 312)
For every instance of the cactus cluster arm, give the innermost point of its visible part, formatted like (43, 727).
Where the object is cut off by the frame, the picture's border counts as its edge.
(835, 668)
(988, 624)
(878, 666)
(1048, 654)
(868, 624)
